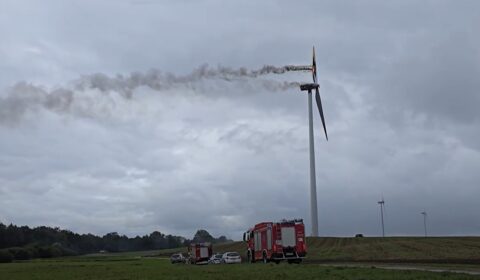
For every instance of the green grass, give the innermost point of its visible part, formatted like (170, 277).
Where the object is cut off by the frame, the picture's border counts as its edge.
(324, 257)
(389, 249)
(368, 249)
(125, 267)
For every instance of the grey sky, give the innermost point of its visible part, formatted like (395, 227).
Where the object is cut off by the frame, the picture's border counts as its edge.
(399, 83)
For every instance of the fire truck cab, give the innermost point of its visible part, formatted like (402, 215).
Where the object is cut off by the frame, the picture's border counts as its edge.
(275, 242)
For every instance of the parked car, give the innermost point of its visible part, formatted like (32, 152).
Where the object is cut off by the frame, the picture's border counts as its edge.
(231, 257)
(216, 259)
(177, 258)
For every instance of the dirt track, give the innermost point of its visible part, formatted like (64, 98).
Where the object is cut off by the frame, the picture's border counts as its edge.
(469, 271)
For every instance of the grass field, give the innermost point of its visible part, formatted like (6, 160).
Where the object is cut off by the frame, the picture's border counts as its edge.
(155, 268)
(328, 258)
(375, 249)
(397, 249)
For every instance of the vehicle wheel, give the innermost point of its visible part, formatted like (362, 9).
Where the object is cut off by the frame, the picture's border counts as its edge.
(265, 260)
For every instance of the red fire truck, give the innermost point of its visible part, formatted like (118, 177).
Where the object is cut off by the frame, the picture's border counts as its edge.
(199, 253)
(270, 241)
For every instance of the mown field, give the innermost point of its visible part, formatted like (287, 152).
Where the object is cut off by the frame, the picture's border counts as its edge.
(328, 258)
(376, 249)
(156, 268)
(397, 249)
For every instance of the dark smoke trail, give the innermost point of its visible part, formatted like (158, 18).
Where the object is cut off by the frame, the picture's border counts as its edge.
(158, 80)
(268, 69)
(24, 96)
(265, 70)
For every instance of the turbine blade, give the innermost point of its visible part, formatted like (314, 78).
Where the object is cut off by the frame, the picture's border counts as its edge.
(320, 110)
(314, 67)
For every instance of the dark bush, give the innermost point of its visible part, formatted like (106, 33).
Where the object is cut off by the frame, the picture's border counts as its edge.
(33, 250)
(69, 252)
(5, 256)
(20, 253)
(45, 252)
(56, 251)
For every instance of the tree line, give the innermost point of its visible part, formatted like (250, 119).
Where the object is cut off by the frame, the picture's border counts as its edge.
(23, 242)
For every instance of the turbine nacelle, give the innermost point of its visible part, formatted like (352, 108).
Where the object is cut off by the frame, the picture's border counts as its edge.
(309, 87)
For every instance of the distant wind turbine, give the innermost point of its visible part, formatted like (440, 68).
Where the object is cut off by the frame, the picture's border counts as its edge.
(424, 213)
(382, 205)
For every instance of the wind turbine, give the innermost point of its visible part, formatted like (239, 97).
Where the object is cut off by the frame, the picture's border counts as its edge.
(309, 87)
(382, 205)
(424, 213)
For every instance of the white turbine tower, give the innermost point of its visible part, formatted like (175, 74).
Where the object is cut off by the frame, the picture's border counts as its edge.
(382, 205)
(424, 213)
(313, 186)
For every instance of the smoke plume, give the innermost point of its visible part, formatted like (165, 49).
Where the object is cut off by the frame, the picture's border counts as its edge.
(24, 97)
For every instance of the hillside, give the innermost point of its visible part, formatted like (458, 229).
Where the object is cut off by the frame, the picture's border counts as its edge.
(376, 249)
(409, 249)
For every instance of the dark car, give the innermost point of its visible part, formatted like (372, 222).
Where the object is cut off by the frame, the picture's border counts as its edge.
(177, 258)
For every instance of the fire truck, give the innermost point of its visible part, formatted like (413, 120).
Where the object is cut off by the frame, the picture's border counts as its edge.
(199, 253)
(269, 241)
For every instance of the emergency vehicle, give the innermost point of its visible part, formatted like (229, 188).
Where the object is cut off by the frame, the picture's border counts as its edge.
(199, 253)
(269, 241)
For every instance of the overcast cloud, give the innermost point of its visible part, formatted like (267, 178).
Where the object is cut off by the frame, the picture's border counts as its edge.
(111, 121)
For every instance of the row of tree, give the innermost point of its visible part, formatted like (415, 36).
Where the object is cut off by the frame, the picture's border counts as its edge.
(23, 242)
